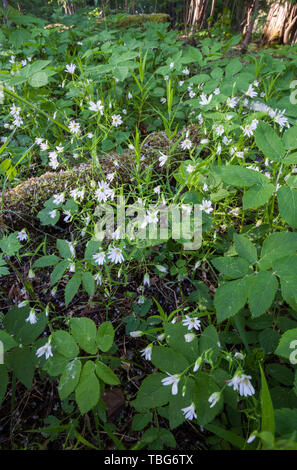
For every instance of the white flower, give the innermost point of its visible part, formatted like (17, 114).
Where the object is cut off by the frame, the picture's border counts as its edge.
(248, 130)
(197, 364)
(74, 127)
(115, 255)
(99, 258)
(281, 120)
(43, 146)
(251, 92)
(32, 317)
(136, 334)
(70, 68)
(191, 323)
(103, 192)
(59, 148)
(192, 94)
(46, 349)
(31, 274)
(129, 95)
(217, 91)
(59, 199)
(189, 337)
(97, 107)
(190, 168)
(116, 120)
(205, 187)
(52, 214)
(90, 135)
(98, 279)
(231, 102)
(162, 159)
(163, 100)
(68, 216)
(204, 100)
(146, 280)
(190, 412)
(171, 65)
(186, 144)
(22, 235)
(213, 399)
(186, 71)
(206, 206)
(172, 380)
(241, 382)
(204, 141)
(147, 352)
(252, 437)
(181, 82)
(220, 130)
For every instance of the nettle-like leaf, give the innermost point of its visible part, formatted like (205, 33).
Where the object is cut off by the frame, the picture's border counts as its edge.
(287, 203)
(257, 196)
(239, 176)
(88, 283)
(245, 248)
(58, 272)
(23, 331)
(230, 298)
(72, 287)
(269, 142)
(49, 216)
(276, 246)
(168, 360)
(290, 138)
(45, 261)
(22, 361)
(175, 337)
(3, 268)
(262, 288)
(64, 249)
(10, 244)
(152, 393)
(287, 347)
(205, 387)
(209, 340)
(231, 267)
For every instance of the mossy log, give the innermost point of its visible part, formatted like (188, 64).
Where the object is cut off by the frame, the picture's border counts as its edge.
(137, 20)
(22, 202)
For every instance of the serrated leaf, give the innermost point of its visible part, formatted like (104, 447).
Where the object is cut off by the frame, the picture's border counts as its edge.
(245, 248)
(72, 287)
(231, 267)
(287, 202)
(88, 283)
(45, 261)
(262, 288)
(268, 142)
(257, 196)
(58, 272)
(230, 298)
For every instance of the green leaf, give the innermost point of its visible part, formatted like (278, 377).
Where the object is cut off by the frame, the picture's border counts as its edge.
(287, 347)
(7, 340)
(167, 437)
(106, 374)
(240, 176)
(175, 337)
(65, 344)
(45, 261)
(4, 379)
(262, 288)
(140, 421)
(257, 196)
(205, 387)
(10, 245)
(230, 298)
(22, 361)
(269, 142)
(64, 249)
(290, 138)
(275, 246)
(231, 267)
(286, 267)
(152, 393)
(269, 340)
(72, 287)
(88, 283)
(289, 292)
(105, 336)
(228, 436)
(268, 421)
(87, 392)
(287, 203)
(168, 360)
(69, 379)
(245, 248)
(24, 332)
(39, 79)
(84, 332)
(58, 272)
(209, 339)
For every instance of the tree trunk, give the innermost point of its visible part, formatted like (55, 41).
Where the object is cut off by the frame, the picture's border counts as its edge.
(281, 23)
(252, 15)
(196, 13)
(211, 15)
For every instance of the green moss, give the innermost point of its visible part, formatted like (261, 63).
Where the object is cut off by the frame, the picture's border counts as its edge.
(137, 20)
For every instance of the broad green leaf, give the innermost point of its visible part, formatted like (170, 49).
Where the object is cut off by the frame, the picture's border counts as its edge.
(287, 203)
(45, 261)
(39, 79)
(106, 374)
(64, 249)
(105, 336)
(289, 291)
(84, 332)
(240, 176)
(152, 393)
(290, 138)
(287, 347)
(87, 392)
(209, 339)
(286, 267)
(230, 298)
(228, 436)
(65, 344)
(140, 421)
(10, 245)
(262, 288)
(205, 387)
(268, 142)
(231, 267)
(58, 271)
(175, 337)
(7, 341)
(168, 360)
(22, 361)
(257, 196)
(69, 379)
(275, 246)
(22, 331)
(245, 248)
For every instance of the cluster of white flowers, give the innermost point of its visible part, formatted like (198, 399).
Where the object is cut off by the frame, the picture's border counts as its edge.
(114, 254)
